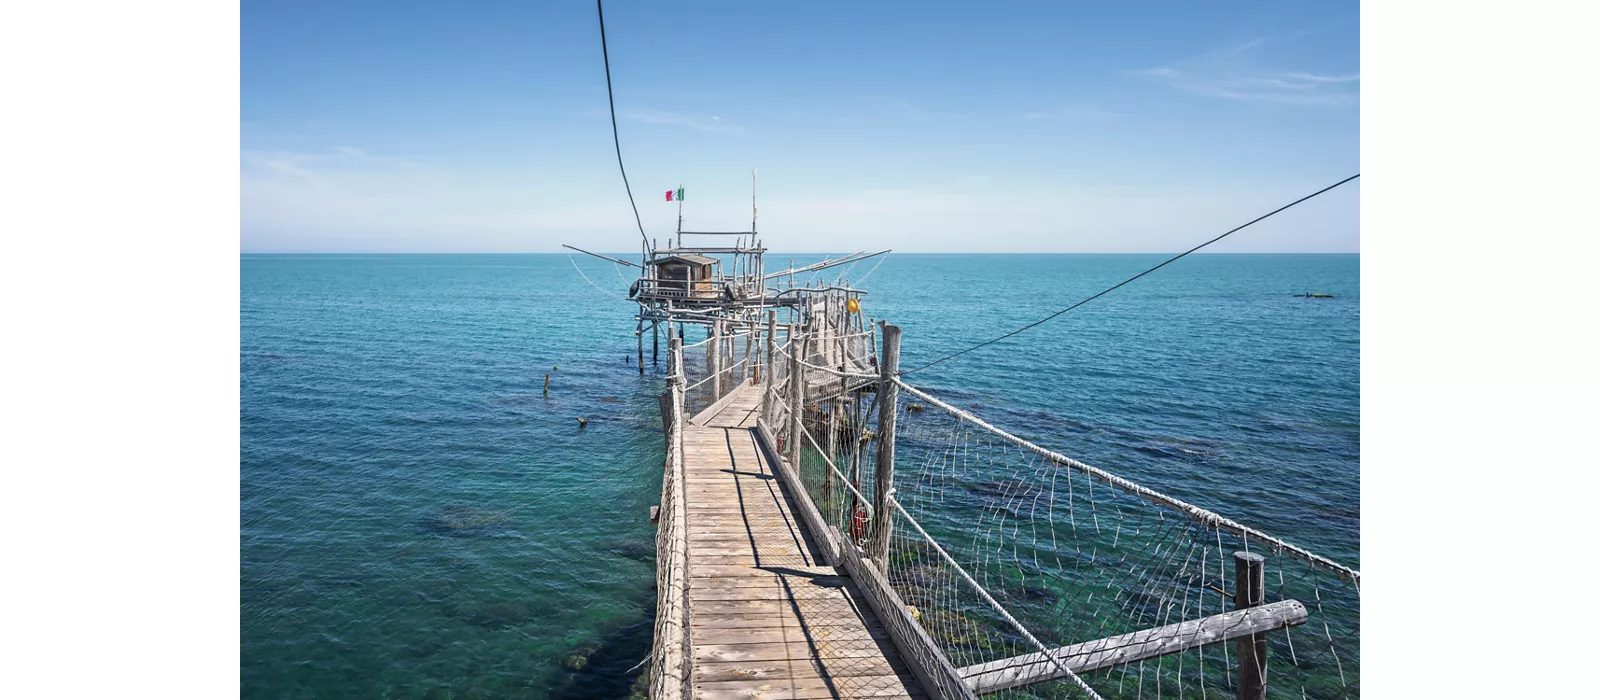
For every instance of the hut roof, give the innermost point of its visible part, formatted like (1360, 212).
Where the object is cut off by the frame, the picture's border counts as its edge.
(685, 257)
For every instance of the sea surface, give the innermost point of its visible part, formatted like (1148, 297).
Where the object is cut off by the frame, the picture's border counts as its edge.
(420, 519)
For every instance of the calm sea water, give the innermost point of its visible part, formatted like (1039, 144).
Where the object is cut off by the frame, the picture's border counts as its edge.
(418, 519)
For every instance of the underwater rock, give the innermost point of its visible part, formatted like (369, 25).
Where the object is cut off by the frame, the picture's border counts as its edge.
(635, 551)
(640, 690)
(577, 660)
(500, 615)
(465, 521)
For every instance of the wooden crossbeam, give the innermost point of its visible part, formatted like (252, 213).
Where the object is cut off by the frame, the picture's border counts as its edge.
(1028, 669)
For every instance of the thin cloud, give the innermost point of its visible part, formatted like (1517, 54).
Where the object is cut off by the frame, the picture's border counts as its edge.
(1230, 73)
(712, 124)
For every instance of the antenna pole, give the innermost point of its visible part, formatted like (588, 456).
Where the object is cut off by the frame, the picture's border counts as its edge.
(753, 202)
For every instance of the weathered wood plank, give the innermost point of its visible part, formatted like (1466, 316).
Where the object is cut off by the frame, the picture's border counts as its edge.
(788, 635)
(712, 671)
(698, 571)
(807, 688)
(791, 592)
(832, 654)
(1122, 649)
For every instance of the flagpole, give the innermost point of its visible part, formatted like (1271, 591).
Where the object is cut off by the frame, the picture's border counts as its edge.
(680, 215)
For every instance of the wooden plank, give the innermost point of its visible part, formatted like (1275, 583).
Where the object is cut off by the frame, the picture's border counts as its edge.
(808, 688)
(769, 581)
(831, 653)
(1128, 648)
(819, 609)
(788, 635)
(697, 571)
(790, 592)
(713, 671)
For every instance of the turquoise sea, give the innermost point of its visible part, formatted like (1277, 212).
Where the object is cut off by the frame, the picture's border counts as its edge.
(418, 519)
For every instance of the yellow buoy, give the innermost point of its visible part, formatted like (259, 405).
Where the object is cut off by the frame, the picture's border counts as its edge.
(853, 305)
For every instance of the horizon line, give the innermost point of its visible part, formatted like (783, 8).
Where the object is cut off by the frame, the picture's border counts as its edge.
(830, 252)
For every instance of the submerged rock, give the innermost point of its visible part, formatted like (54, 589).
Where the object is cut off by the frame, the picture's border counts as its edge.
(465, 521)
(578, 659)
(635, 551)
(501, 615)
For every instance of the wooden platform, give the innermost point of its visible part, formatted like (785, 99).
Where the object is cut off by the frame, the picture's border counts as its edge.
(767, 618)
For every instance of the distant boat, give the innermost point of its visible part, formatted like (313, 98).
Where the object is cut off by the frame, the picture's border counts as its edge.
(1315, 295)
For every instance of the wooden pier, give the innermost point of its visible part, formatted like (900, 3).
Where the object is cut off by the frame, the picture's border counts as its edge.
(767, 617)
(773, 583)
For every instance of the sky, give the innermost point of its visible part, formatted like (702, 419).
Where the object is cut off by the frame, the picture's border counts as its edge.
(923, 127)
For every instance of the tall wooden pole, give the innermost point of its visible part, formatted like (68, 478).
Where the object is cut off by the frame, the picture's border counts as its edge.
(749, 362)
(655, 343)
(797, 399)
(715, 351)
(772, 337)
(888, 395)
(767, 408)
(1249, 571)
(833, 449)
(640, 335)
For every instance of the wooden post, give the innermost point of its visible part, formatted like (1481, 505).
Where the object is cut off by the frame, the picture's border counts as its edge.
(749, 362)
(797, 400)
(715, 351)
(640, 335)
(1249, 572)
(655, 343)
(833, 451)
(888, 394)
(772, 337)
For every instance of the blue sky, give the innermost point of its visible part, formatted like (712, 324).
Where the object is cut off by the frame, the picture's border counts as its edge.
(927, 127)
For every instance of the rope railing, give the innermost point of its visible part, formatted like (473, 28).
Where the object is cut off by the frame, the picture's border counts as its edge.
(672, 659)
(1200, 514)
(1086, 561)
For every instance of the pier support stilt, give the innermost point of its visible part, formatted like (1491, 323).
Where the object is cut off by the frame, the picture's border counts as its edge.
(1249, 570)
(888, 394)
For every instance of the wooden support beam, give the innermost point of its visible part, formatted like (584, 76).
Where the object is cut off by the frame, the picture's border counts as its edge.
(1249, 571)
(888, 393)
(797, 391)
(714, 350)
(1133, 647)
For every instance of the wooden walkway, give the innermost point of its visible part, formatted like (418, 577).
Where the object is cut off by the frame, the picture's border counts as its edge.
(767, 618)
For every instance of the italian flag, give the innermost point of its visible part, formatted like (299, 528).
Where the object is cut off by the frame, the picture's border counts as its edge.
(678, 194)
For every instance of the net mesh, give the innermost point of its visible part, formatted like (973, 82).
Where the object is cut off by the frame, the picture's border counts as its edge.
(1076, 559)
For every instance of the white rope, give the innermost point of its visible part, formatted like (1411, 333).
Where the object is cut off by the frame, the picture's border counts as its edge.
(697, 384)
(847, 389)
(1199, 514)
(990, 599)
(586, 277)
(874, 269)
(839, 373)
